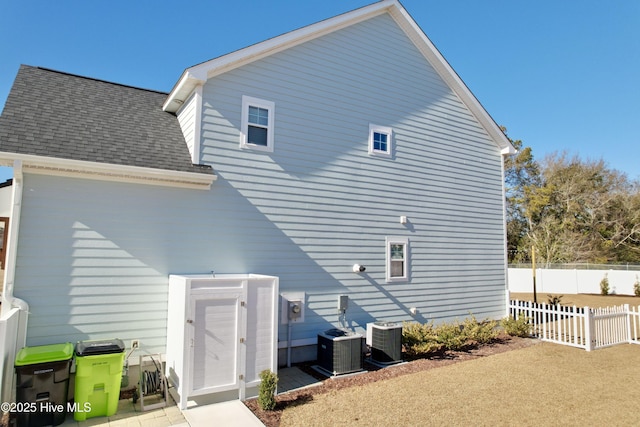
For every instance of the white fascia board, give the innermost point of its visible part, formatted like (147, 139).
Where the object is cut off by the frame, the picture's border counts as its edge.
(448, 74)
(189, 80)
(222, 64)
(200, 73)
(108, 172)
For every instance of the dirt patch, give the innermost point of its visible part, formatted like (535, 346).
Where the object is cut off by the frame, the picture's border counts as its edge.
(374, 374)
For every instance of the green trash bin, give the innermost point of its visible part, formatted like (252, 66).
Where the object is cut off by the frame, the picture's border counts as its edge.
(42, 384)
(98, 378)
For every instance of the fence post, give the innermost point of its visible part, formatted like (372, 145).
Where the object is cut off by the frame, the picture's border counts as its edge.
(588, 329)
(628, 313)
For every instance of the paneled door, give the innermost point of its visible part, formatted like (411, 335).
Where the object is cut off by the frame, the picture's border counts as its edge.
(215, 342)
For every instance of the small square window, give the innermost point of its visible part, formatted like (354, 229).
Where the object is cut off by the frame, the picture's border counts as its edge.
(380, 140)
(397, 257)
(257, 124)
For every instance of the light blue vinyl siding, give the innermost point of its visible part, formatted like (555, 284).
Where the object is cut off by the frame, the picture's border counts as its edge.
(187, 119)
(94, 257)
(336, 203)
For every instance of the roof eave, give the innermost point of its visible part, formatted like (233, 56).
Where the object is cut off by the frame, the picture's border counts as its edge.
(108, 172)
(189, 80)
(200, 73)
(449, 75)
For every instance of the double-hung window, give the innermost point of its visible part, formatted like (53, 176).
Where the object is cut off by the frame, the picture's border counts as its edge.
(380, 138)
(257, 124)
(397, 259)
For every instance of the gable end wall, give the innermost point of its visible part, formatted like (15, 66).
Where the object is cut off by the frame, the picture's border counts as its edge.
(94, 257)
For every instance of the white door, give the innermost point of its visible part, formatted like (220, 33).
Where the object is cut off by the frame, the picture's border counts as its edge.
(215, 325)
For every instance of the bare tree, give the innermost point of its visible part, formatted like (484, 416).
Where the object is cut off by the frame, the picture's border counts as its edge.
(582, 211)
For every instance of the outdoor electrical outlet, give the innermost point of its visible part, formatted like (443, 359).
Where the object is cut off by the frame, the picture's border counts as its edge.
(135, 344)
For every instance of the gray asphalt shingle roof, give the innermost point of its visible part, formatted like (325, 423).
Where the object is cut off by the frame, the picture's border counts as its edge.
(54, 114)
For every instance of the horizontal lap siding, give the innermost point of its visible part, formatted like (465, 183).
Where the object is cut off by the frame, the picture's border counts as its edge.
(334, 204)
(187, 119)
(94, 257)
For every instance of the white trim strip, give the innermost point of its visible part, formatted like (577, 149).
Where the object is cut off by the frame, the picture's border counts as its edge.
(108, 172)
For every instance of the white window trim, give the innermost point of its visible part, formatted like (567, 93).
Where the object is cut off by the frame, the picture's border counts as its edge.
(381, 129)
(407, 258)
(244, 127)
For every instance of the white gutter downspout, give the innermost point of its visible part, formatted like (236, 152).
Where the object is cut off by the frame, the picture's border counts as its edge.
(8, 300)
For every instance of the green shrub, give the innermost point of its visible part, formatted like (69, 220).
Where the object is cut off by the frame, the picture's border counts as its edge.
(604, 285)
(419, 339)
(636, 287)
(267, 391)
(480, 332)
(452, 336)
(517, 327)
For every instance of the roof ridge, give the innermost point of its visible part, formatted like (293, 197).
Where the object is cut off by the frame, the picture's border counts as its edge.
(96, 80)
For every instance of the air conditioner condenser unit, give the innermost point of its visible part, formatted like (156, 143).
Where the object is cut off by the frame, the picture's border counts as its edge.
(385, 340)
(340, 352)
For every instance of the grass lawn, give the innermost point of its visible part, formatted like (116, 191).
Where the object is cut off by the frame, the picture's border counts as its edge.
(546, 384)
(543, 385)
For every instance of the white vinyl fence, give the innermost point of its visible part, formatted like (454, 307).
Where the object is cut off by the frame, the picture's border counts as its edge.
(572, 281)
(581, 327)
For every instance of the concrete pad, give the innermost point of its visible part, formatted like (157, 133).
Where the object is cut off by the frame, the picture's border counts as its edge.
(229, 414)
(293, 378)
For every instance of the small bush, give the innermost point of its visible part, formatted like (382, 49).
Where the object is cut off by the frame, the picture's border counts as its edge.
(554, 299)
(517, 327)
(604, 285)
(452, 336)
(480, 332)
(419, 339)
(636, 287)
(267, 391)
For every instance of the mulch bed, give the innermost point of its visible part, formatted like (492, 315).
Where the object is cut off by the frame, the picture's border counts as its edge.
(299, 397)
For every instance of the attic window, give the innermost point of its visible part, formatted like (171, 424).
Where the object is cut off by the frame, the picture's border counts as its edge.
(257, 124)
(380, 140)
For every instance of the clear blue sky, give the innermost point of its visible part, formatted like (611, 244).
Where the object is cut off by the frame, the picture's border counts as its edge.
(560, 75)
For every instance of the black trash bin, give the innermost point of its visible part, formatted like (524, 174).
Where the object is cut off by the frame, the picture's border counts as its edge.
(42, 384)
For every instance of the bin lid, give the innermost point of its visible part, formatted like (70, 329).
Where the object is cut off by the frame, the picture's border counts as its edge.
(44, 353)
(90, 348)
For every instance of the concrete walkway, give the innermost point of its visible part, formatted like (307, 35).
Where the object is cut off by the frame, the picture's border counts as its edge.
(131, 415)
(229, 414)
